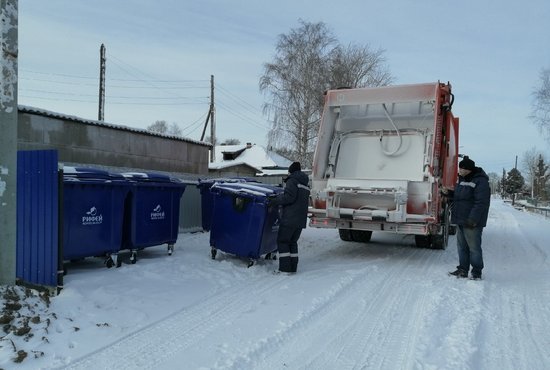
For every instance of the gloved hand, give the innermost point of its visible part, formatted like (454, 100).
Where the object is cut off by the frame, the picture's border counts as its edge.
(270, 199)
(470, 224)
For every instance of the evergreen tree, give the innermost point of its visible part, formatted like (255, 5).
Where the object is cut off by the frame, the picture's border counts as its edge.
(541, 177)
(514, 183)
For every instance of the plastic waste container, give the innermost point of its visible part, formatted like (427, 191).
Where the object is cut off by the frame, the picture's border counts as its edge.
(243, 223)
(207, 198)
(152, 211)
(93, 211)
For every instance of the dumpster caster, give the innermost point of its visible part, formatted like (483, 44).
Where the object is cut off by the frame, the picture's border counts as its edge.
(133, 257)
(109, 262)
(170, 249)
(117, 262)
(271, 256)
(213, 252)
(250, 263)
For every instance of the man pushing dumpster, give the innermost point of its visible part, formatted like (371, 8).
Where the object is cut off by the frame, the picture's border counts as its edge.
(294, 201)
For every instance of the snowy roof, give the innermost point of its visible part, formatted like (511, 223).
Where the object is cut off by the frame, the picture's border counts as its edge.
(267, 162)
(67, 117)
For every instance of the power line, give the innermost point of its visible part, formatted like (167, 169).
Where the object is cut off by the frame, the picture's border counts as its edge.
(242, 117)
(239, 101)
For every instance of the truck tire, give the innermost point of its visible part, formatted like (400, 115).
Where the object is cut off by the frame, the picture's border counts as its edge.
(440, 241)
(432, 241)
(362, 236)
(345, 235)
(422, 241)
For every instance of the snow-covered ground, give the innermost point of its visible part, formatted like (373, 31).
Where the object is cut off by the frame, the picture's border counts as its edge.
(382, 305)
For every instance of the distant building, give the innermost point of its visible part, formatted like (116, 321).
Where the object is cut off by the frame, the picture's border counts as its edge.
(248, 160)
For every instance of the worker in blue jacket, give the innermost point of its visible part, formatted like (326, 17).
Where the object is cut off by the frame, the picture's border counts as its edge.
(470, 208)
(294, 201)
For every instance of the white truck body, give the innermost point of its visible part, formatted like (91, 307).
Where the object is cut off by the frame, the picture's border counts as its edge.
(381, 157)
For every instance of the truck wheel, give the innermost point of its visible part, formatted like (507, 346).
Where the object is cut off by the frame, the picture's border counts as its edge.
(422, 241)
(439, 241)
(452, 229)
(345, 235)
(361, 236)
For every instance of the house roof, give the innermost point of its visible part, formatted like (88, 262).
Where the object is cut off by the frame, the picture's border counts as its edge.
(266, 162)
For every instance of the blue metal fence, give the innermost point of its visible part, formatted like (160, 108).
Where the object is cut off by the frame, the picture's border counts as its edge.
(37, 218)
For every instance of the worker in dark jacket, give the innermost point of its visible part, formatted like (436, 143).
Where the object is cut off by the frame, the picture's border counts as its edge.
(470, 207)
(294, 201)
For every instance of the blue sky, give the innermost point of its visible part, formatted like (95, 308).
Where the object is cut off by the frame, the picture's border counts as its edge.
(160, 55)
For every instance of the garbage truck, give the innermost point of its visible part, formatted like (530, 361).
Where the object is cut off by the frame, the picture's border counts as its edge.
(382, 157)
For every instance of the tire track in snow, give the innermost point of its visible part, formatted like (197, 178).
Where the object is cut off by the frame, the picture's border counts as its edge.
(148, 347)
(322, 326)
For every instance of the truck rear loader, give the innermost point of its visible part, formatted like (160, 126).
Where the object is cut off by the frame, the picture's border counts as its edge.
(383, 154)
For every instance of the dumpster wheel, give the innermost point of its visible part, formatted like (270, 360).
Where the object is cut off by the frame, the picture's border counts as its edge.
(170, 249)
(213, 252)
(271, 256)
(112, 260)
(250, 263)
(133, 257)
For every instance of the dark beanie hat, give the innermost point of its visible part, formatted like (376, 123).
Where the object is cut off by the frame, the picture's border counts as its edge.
(295, 166)
(467, 164)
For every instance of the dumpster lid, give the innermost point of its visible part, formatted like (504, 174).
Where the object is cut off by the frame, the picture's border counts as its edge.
(71, 173)
(150, 177)
(211, 181)
(257, 189)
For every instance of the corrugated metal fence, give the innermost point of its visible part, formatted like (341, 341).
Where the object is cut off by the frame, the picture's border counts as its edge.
(37, 218)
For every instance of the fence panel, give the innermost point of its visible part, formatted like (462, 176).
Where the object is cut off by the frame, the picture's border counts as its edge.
(37, 218)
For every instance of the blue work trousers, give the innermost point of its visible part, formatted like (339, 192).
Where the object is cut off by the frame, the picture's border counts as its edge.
(469, 249)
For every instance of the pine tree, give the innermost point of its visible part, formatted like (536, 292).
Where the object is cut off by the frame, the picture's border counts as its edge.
(542, 175)
(514, 183)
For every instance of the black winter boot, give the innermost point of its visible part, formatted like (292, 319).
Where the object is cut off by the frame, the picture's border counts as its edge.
(459, 273)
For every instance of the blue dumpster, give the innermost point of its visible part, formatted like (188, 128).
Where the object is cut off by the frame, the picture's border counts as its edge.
(152, 211)
(243, 223)
(93, 211)
(207, 198)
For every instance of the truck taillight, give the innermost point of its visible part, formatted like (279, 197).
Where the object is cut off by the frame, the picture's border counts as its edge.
(320, 204)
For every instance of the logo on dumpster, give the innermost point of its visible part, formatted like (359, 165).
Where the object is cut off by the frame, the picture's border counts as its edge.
(158, 213)
(92, 217)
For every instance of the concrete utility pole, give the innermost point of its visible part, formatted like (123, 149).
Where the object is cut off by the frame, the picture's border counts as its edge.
(8, 140)
(102, 60)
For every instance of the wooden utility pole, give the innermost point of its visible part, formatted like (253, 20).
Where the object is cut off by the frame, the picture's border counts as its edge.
(8, 140)
(102, 60)
(212, 121)
(212, 118)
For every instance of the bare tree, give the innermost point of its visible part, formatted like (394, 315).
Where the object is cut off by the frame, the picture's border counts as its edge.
(529, 166)
(358, 66)
(309, 61)
(160, 127)
(174, 130)
(540, 113)
(295, 80)
(494, 182)
(231, 142)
